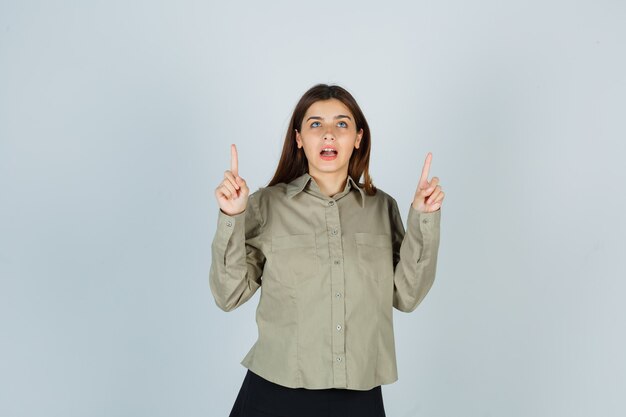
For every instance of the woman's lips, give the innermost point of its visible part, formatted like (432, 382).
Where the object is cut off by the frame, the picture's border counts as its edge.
(328, 156)
(328, 152)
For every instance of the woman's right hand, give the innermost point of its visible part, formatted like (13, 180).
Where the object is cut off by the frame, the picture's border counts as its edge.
(232, 193)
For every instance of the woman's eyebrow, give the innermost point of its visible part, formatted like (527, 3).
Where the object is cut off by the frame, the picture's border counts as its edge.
(339, 116)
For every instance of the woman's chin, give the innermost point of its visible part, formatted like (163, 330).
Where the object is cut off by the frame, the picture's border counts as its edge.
(327, 167)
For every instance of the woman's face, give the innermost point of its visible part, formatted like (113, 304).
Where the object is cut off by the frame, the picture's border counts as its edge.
(328, 124)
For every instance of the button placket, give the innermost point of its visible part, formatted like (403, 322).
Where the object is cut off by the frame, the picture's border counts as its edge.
(335, 247)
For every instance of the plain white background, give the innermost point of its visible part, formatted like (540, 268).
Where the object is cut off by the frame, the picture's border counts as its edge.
(115, 124)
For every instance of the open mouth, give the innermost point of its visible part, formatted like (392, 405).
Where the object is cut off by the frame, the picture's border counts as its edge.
(328, 152)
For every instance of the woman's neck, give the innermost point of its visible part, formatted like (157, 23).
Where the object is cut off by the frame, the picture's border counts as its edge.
(330, 183)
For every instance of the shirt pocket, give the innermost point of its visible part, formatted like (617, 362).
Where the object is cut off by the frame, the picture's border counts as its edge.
(375, 255)
(295, 258)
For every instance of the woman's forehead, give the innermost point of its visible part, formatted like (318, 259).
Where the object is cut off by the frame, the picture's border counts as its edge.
(328, 109)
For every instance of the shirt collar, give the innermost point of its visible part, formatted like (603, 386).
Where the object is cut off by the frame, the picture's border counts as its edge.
(300, 183)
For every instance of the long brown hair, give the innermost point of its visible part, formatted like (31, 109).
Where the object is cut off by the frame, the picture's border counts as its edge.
(293, 162)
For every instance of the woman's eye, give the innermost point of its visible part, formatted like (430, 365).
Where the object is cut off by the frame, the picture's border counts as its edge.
(345, 124)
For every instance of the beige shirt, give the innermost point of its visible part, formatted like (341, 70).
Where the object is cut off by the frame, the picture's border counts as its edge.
(330, 270)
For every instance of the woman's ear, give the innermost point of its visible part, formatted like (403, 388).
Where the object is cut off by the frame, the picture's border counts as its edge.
(298, 139)
(357, 143)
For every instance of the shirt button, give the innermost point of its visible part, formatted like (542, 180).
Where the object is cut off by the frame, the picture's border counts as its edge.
(338, 294)
(425, 221)
(336, 262)
(229, 223)
(339, 327)
(338, 358)
(331, 203)
(334, 231)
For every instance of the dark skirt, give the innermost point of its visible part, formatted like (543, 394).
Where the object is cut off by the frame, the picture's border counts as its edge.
(259, 397)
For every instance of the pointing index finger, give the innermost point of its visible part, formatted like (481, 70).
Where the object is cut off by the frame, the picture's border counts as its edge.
(234, 163)
(424, 178)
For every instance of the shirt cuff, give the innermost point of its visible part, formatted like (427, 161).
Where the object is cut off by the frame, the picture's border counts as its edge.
(227, 225)
(426, 222)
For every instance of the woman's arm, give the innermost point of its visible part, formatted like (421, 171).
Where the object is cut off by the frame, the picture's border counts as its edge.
(236, 258)
(414, 256)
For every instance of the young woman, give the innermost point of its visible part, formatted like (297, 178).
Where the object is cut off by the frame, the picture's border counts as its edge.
(332, 259)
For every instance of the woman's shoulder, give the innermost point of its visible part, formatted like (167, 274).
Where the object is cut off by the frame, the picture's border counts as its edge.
(269, 191)
(382, 197)
(263, 197)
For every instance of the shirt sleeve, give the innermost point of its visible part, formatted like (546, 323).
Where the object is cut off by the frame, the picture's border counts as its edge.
(236, 258)
(414, 256)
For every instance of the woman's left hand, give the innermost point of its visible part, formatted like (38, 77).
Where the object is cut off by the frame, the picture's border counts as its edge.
(428, 196)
